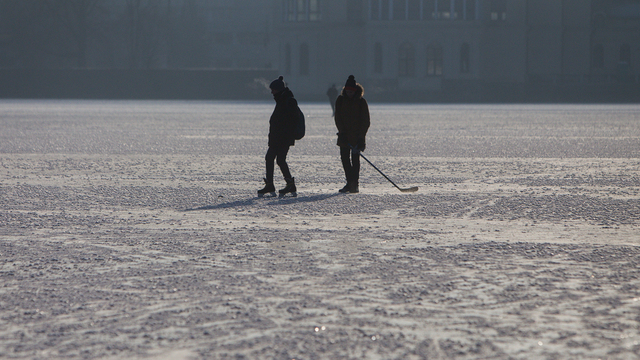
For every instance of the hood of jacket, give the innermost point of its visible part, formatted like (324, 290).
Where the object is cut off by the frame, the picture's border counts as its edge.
(359, 92)
(283, 95)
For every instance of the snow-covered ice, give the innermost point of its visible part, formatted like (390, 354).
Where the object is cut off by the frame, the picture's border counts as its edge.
(131, 229)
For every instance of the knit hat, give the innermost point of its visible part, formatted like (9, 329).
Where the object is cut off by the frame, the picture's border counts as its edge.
(277, 84)
(351, 83)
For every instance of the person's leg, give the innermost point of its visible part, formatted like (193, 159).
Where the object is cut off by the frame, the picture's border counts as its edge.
(268, 180)
(355, 172)
(269, 159)
(355, 164)
(281, 159)
(345, 157)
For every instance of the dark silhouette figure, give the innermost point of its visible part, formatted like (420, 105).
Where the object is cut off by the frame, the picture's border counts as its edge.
(281, 136)
(352, 120)
(332, 93)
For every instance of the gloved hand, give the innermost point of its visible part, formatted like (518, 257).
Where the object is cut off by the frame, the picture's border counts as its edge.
(361, 145)
(342, 138)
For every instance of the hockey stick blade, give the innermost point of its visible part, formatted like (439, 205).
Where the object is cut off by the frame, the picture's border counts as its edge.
(411, 189)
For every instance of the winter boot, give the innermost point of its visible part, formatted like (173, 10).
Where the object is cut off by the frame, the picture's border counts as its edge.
(354, 188)
(268, 189)
(345, 189)
(290, 188)
(349, 176)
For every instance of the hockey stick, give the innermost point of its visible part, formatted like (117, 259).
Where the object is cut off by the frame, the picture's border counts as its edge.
(411, 189)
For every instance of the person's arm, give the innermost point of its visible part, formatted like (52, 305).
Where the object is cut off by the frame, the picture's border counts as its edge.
(364, 124)
(339, 117)
(290, 119)
(365, 120)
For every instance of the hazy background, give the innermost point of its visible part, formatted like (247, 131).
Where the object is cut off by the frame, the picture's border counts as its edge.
(400, 50)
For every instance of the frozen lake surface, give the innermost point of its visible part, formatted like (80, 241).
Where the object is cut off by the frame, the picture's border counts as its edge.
(130, 229)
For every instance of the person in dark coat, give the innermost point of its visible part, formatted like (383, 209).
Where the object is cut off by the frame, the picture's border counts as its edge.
(352, 120)
(332, 94)
(281, 136)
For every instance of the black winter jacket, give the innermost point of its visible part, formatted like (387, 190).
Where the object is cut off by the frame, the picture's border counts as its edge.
(283, 120)
(352, 117)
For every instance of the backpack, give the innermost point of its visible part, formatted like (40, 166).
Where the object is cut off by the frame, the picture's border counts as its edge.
(299, 131)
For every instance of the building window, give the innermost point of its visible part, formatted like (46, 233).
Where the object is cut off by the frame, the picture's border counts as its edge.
(385, 6)
(406, 60)
(314, 11)
(625, 53)
(458, 10)
(597, 57)
(290, 10)
(498, 10)
(377, 58)
(379, 9)
(302, 10)
(434, 60)
(428, 9)
(413, 10)
(287, 59)
(304, 59)
(465, 58)
(469, 10)
(443, 9)
(401, 10)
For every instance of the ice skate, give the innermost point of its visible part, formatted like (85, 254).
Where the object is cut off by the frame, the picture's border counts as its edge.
(268, 189)
(289, 189)
(345, 189)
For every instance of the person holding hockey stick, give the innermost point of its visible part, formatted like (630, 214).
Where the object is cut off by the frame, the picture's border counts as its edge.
(281, 136)
(352, 120)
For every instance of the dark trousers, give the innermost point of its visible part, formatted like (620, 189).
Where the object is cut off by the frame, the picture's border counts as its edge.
(350, 163)
(279, 155)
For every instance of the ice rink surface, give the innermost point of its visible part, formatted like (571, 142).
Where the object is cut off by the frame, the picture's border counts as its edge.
(131, 229)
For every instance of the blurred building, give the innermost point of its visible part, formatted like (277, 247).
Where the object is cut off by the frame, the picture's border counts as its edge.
(219, 34)
(399, 49)
(410, 47)
(135, 34)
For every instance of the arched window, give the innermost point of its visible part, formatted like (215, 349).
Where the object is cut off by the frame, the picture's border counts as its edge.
(377, 58)
(287, 59)
(597, 57)
(434, 60)
(304, 59)
(406, 60)
(465, 58)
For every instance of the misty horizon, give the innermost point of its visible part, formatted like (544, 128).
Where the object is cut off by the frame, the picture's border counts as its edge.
(425, 50)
